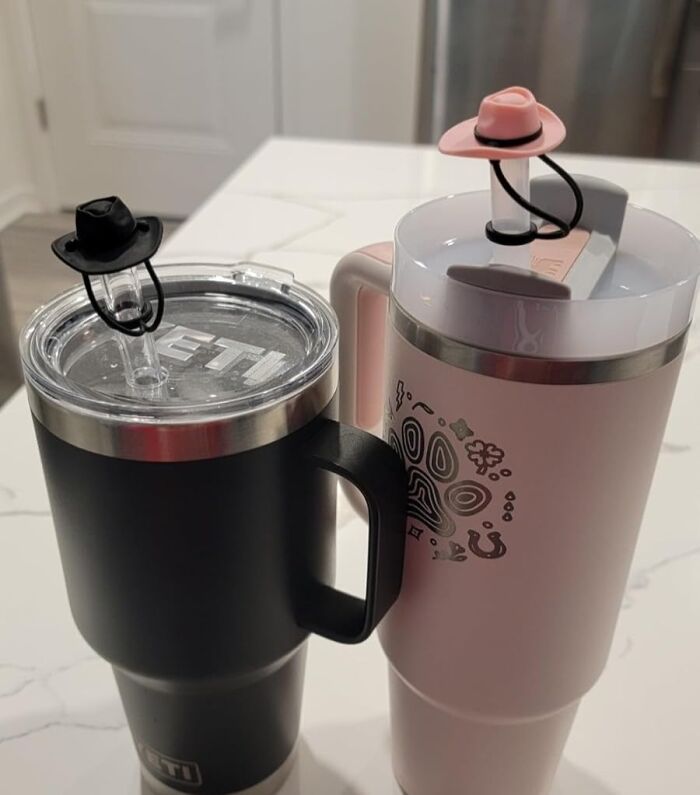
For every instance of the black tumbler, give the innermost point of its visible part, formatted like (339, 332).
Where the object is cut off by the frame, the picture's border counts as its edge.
(196, 516)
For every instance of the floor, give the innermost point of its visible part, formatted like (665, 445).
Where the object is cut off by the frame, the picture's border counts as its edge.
(32, 275)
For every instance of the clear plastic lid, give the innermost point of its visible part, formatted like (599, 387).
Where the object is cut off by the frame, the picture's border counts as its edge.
(233, 339)
(644, 298)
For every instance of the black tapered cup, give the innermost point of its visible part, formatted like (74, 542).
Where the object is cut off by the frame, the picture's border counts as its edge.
(196, 526)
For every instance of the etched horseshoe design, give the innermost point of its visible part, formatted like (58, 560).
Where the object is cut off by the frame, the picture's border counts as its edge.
(413, 439)
(425, 505)
(441, 459)
(498, 548)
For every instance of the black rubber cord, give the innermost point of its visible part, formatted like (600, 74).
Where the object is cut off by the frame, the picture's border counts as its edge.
(139, 325)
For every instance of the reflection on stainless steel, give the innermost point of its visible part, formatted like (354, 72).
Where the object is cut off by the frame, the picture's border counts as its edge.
(110, 424)
(612, 70)
(531, 369)
(184, 441)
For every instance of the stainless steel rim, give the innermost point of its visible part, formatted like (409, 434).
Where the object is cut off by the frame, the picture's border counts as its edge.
(145, 433)
(530, 369)
(185, 441)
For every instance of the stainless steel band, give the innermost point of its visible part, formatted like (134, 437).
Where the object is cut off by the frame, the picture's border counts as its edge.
(530, 369)
(141, 440)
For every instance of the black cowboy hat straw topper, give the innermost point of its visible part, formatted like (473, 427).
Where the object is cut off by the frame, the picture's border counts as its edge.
(109, 239)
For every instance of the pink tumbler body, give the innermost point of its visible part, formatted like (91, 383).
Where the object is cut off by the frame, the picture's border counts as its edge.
(525, 501)
(529, 426)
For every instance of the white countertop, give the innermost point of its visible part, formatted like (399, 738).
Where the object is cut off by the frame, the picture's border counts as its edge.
(301, 205)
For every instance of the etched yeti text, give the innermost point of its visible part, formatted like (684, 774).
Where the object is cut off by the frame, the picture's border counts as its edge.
(169, 768)
(181, 343)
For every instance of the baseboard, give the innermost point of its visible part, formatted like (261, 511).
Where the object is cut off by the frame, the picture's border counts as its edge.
(16, 201)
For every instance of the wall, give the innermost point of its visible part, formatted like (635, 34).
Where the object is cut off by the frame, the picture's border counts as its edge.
(17, 181)
(349, 68)
(345, 69)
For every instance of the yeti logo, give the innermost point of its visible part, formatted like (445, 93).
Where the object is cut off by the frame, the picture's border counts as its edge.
(181, 343)
(169, 769)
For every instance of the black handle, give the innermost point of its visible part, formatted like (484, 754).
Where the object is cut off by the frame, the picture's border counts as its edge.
(375, 469)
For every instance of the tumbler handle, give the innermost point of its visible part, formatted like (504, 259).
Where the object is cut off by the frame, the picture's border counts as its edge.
(378, 473)
(360, 288)
(359, 293)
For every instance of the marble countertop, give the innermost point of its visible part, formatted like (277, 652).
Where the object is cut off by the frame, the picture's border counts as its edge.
(300, 205)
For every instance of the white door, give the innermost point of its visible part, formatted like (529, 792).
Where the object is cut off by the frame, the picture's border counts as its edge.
(154, 100)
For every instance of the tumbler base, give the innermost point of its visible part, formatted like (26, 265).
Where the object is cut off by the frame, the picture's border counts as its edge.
(153, 786)
(439, 752)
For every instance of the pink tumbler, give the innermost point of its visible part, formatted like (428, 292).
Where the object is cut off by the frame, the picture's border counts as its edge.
(524, 371)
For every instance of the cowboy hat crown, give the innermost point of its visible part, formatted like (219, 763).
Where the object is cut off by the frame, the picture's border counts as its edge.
(511, 123)
(108, 238)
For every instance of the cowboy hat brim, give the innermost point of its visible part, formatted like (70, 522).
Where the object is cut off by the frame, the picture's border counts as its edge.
(142, 245)
(461, 141)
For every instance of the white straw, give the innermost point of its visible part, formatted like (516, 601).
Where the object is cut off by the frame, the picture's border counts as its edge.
(124, 300)
(509, 217)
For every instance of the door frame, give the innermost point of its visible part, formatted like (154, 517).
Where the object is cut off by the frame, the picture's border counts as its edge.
(33, 103)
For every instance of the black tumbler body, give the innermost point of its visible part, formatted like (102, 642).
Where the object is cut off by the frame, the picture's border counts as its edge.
(193, 593)
(196, 526)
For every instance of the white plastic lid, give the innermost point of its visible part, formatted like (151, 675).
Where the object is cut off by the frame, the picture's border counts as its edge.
(645, 297)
